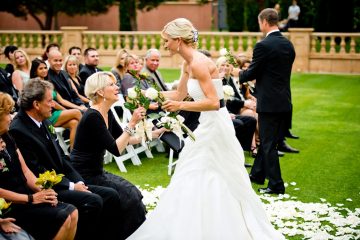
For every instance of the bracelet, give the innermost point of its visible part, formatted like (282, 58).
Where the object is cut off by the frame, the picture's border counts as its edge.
(30, 198)
(130, 131)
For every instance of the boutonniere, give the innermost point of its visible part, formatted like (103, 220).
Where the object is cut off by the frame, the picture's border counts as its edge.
(51, 129)
(3, 167)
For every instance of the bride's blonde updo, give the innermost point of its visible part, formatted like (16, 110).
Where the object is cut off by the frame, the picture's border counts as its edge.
(182, 28)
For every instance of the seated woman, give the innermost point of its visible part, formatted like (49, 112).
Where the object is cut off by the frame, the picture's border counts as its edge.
(60, 117)
(119, 69)
(71, 66)
(21, 75)
(98, 131)
(37, 211)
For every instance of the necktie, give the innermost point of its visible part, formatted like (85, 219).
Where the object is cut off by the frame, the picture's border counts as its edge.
(43, 129)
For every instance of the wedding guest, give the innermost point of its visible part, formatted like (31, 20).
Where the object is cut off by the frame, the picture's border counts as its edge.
(60, 79)
(98, 131)
(9, 54)
(7, 86)
(50, 47)
(38, 211)
(32, 131)
(60, 116)
(22, 69)
(273, 98)
(152, 62)
(76, 51)
(119, 69)
(91, 62)
(71, 66)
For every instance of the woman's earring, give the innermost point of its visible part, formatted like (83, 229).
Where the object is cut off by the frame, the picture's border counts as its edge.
(178, 48)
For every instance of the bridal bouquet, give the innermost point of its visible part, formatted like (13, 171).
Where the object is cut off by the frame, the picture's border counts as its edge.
(4, 206)
(169, 120)
(48, 179)
(229, 57)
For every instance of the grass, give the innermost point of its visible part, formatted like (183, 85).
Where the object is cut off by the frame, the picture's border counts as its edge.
(327, 119)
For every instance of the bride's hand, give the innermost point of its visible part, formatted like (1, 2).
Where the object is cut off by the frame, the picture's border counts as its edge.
(171, 106)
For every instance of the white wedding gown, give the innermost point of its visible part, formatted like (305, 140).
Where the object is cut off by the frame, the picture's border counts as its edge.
(210, 196)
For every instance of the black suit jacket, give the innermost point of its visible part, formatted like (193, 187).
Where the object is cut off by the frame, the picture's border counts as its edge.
(86, 71)
(271, 67)
(39, 152)
(63, 86)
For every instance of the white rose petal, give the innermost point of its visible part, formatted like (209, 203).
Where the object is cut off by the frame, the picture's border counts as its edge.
(293, 183)
(132, 93)
(223, 51)
(349, 199)
(151, 93)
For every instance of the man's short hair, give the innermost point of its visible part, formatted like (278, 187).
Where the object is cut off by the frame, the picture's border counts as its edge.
(9, 49)
(151, 51)
(86, 52)
(34, 90)
(270, 15)
(74, 48)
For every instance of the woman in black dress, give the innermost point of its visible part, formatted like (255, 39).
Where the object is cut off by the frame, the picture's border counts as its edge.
(98, 131)
(37, 211)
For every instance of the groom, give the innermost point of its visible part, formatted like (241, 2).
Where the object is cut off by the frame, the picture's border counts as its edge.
(271, 67)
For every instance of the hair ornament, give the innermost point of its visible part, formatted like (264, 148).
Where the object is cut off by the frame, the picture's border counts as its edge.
(196, 35)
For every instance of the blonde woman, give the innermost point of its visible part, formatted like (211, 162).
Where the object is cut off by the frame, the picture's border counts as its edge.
(119, 69)
(71, 66)
(210, 195)
(21, 75)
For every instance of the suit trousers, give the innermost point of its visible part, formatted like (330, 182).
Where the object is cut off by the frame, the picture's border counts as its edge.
(266, 164)
(244, 129)
(95, 211)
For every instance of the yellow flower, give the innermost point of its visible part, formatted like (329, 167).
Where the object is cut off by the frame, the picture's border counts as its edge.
(48, 179)
(4, 205)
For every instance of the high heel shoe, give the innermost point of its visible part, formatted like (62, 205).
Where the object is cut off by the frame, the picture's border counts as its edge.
(253, 151)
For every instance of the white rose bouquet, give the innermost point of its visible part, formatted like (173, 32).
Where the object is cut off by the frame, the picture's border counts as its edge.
(228, 92)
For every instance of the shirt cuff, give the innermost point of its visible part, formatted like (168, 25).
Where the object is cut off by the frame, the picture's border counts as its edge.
(71, 186)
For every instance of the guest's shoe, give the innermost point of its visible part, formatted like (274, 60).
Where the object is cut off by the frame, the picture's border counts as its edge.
(290, 135)
(253, 151)
(247, 165)
(255, 180)
(284, 147)
(270, 191)
(280, 153)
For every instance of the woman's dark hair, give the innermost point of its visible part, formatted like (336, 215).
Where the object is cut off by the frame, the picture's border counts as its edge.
(9, 49)
(34, 66)
(51, 45)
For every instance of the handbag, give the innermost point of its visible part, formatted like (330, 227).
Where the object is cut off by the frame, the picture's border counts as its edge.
(172, 141)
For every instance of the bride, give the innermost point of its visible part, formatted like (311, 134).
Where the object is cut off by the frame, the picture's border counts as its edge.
(210, 195)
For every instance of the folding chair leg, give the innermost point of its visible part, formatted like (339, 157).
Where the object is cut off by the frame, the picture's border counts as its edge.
(171, 157)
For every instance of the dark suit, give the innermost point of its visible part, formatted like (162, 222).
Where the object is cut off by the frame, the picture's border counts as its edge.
(62, 85)
(155, 78)
(41, 152)
(86, 71)
(271, 67)
(7, 86)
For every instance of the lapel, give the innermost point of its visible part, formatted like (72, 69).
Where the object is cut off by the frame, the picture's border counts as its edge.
(39, 136)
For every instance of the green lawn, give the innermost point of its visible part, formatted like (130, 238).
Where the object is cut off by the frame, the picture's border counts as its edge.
(327, 119)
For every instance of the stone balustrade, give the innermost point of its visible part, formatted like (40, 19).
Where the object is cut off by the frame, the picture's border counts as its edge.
(315, 52)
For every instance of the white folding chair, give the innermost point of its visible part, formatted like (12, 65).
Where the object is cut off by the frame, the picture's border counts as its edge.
(172, 163)
(64, 144)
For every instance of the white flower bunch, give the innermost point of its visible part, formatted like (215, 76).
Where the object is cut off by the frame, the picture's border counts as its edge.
(132, 93)
(223, 52)
(151, 93)
(175, 123)
(228, 92)
(143, 130)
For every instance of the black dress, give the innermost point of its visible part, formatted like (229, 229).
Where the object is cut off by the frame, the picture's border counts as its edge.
(42, 221)
(91, 141)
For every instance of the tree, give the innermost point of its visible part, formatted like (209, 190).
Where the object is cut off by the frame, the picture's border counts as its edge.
(51, 8)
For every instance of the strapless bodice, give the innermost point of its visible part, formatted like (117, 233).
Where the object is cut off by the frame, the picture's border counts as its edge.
(196, 92)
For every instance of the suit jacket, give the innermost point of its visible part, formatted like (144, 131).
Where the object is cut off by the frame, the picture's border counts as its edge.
(158, 81)
(235, 104)
(39, 152)
(7, 86)
(271, 67)
(63, 86)
(86, 71)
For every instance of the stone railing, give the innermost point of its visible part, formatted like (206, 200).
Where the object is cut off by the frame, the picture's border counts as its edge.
(315, 52)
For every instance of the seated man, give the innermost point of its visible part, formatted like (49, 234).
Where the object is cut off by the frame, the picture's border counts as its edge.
(33, 134)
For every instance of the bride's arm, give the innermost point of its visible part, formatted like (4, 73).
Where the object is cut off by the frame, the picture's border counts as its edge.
(211, 101)
(181, 92)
